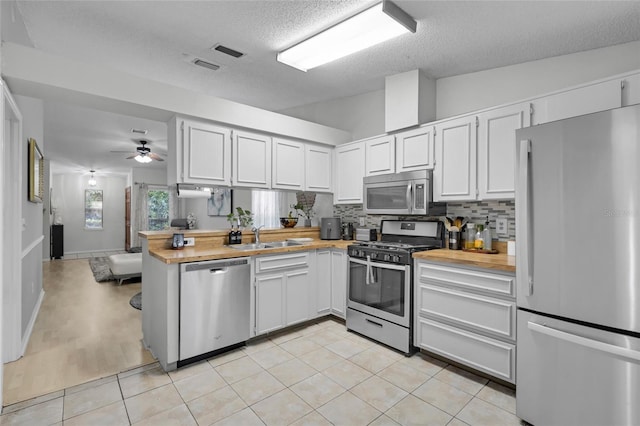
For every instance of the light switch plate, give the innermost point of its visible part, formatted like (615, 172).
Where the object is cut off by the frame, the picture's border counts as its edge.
(502, 225)
(189, 242)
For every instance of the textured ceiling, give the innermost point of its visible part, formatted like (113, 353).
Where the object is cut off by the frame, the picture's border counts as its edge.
(159, 39)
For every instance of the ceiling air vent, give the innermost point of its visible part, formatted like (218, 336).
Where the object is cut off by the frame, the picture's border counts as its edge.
(228, 51)
(206, 64)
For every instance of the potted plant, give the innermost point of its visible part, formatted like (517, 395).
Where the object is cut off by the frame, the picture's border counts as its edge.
(244, 218)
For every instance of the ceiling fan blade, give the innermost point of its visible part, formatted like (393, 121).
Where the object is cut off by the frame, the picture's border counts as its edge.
(155, 156)
(132, 156)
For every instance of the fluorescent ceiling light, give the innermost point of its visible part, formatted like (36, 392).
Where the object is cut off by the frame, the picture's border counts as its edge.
(142, 158)
(379, 23)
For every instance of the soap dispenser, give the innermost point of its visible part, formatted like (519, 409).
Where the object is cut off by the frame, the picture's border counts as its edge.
(486, 235)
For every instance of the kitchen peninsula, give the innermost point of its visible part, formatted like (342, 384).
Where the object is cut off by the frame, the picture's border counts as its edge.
(317, 272)
(161, 278)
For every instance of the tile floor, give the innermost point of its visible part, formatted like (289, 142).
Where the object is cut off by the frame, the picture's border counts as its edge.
(319, 374)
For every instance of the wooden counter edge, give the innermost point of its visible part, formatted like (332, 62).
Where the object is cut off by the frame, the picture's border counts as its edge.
(194, 254)
(498, 262)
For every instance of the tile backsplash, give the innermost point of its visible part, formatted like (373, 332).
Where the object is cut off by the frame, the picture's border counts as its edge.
(476, 211)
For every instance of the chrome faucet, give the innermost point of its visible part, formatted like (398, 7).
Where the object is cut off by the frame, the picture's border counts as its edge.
(256, 232)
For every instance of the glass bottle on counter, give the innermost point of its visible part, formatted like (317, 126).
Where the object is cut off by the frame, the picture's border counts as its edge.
(469, 236)
(478, 242)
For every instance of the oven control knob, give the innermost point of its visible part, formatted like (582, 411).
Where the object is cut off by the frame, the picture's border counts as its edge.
(387, 257)
(395, 258)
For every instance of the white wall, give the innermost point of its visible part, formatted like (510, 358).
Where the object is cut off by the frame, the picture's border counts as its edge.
(32, 213)
(68, 199)
(364, 115)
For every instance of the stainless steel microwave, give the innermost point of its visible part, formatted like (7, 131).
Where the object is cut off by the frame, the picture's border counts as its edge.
(408, 193)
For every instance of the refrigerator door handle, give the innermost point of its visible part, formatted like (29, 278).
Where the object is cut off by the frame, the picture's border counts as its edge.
(583, 341)
(523, 237)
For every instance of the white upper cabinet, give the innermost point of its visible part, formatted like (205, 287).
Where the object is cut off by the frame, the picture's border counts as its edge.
(206, 154)
(579, 101)
(631, 90)
(251, 160)
(288, 164)
(318, 168)
(380, 155)
(415, 149)
(496, 150)
(349, 171)
(454, 176)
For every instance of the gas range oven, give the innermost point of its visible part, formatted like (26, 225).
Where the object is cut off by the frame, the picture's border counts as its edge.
(380, 289)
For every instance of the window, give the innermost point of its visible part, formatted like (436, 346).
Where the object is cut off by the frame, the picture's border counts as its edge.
(93, 209)
(266, 207)
(158, 209)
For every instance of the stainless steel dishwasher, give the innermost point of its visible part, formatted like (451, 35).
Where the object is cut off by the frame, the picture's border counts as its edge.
(214, 305)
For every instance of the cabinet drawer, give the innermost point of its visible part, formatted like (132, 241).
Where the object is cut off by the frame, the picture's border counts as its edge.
(482, 353)
(284, 261)
(477, 281)
(484, 314)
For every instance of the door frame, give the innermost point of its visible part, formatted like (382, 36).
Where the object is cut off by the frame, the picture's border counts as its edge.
(11, 150)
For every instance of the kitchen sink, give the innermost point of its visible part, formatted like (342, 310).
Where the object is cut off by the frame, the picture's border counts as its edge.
(248, 246)
(275, 244)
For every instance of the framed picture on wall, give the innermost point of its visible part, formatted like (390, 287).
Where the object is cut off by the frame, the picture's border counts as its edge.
(36, 172)
(219, 204)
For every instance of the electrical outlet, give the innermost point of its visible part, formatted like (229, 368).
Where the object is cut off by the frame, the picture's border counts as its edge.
(189, 242)
(502, 226)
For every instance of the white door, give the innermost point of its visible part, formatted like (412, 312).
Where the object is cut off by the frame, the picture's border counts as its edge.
(454, 176)
(380, 156)
(270, 312)
(415, 150)
(323, 278)
(251, 160)
(339, 274)
(318, 161)
(288, 164)
(297, 296)
(349, 171)
(497, 150)
(206, 153)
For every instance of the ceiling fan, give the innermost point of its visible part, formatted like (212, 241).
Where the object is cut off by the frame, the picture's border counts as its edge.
(143, 154)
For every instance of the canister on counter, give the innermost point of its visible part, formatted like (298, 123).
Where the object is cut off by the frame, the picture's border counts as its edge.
(454, 240)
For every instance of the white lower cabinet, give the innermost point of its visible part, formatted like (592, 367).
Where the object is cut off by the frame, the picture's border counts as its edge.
(283, 291)
(331, 282)
(467, 315)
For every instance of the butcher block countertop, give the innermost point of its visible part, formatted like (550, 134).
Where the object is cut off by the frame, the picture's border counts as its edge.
(211, 245)
(499, 261)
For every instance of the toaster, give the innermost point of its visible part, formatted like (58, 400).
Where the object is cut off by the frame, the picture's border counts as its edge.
(366, 234)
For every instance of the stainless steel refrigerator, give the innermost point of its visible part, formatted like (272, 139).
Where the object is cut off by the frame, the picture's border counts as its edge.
(578, 270)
